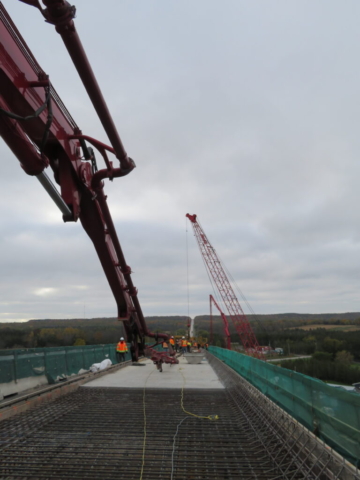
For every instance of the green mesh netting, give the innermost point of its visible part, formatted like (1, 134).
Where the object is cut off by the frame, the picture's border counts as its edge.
(333, 414)
(53, 362)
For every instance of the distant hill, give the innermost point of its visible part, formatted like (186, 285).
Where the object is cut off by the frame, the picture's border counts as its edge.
(202, 322)
(94, 331)
(154, 323)
(282, 320)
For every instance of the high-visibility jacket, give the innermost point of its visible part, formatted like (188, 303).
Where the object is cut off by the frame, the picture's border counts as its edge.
(183, 343)
(172, 341)
(121, 347)
(165, 345)
(189, 344)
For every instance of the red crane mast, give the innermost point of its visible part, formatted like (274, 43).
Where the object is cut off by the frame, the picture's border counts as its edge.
(217, 272)
(225, 322)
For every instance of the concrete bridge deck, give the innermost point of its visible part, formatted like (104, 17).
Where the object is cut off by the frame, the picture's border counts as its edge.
(200, 376)
(183, 425)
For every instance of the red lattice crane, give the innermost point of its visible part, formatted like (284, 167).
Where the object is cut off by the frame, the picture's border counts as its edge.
(41, 133)
(217, 273)
(225, 322)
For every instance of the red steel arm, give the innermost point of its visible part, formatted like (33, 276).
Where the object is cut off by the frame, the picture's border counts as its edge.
(61, 14)
(217, 272)
(24, 89)
(225, 322)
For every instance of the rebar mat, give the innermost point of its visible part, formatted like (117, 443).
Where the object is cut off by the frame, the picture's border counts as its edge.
(98, 433)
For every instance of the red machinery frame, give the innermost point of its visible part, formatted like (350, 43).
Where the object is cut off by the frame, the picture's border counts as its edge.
(225, 322)
(41, 133)
(217, 272)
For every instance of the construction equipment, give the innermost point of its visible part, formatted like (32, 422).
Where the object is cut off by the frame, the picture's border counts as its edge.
(41, 133)
(225, 322)
(217, 273)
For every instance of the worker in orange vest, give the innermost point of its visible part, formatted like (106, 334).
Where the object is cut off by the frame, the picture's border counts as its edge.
(121, 350)
(183, 345)
(172, 343)
(165, 347)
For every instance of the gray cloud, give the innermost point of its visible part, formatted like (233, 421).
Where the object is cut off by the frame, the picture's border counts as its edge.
(242, 112)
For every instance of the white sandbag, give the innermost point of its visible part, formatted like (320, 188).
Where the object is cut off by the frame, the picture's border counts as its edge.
(97, 367)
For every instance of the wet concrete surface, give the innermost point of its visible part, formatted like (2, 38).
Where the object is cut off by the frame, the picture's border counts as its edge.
(173, 376)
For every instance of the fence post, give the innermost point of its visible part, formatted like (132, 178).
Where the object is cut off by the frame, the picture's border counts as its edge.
(15, 366)
(66, 362)
(45, 362)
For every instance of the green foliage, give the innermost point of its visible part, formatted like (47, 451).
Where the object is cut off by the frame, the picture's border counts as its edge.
(310, 339)
(332, 345)
(325, 370)
(344, 357)
(79, 342)
(278, 332)
(180, 331)
(322, 356)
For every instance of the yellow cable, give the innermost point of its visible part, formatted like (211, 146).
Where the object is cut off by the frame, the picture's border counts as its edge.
(209, 417)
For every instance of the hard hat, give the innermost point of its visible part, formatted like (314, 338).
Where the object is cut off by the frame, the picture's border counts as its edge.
(122, 338)
(183, 337)
(172, 337)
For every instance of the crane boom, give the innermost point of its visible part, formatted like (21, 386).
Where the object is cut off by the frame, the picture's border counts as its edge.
(217, 272)
(225, 322)
(41, 133)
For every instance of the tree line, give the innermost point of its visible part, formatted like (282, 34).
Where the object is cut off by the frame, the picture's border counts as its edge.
(323, 366)
(302, 342)
(276, 333)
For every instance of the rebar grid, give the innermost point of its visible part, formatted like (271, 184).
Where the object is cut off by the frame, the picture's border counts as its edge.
(97, 433)
(290, 445)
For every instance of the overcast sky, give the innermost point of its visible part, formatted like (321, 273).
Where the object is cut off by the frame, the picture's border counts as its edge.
(243, 112)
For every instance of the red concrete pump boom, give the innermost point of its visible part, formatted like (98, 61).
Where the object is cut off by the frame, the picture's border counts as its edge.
(225, 322)
(217, 272)
(41, 133)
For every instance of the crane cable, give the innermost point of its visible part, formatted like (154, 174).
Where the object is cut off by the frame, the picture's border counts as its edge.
(215, 293)
(256, 318)
(220, 302)
(187, 270)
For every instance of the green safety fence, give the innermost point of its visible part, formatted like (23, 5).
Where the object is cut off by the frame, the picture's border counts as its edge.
(331, 413)
(54, 362)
